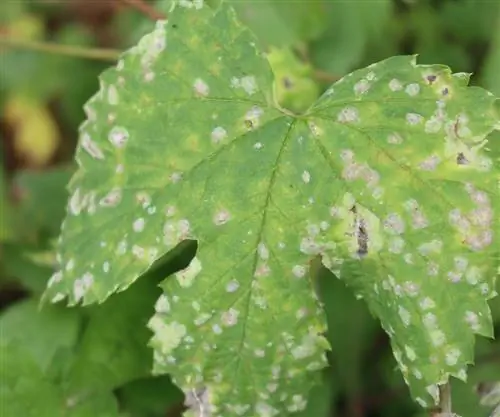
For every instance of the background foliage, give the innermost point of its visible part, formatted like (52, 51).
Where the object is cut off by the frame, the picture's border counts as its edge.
(94, 361)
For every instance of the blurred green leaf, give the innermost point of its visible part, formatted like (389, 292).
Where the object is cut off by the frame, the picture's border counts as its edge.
(281, 23)
(351, 26)
(26, 391)
(40, 332)
(18, 263)
(491, 70)
(355, 323)
(469, 21)
(150, 397)
(43, 198)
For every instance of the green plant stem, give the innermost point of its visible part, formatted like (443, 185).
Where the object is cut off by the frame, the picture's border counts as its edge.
(445, 400)
(146, 9)
(110, 55)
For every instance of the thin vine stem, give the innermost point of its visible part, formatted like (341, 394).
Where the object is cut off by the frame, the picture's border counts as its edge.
(145, 8)
(109, 55)
(445, 400)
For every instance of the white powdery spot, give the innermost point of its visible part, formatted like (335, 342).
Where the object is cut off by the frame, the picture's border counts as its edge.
(175, 177)
(404, 314)
(433, 125)
(201, 88)
(264, 409)
(299, 403)
(299, 271)
(427, 303)
(162, 305)
(118, 136)
(412, 89)
(112, 199)
(218, 135)
(430, 163)
(230, 317)
(411, 288)
(258, 145)
(82, 285)
(396, 245)
(232, 286)
(306, 177)
(217, 329)
(249, 84)
(54, 279)
(309, 246)
(70, 265)
(263, 251)
(348, 115)
(452, 356)
(394, 138)
(186, 277)
(91, 147)
(175, 232)
(221, 217)
(113, 98)
(307, 348)
(437, 337)
(394, 224)
(361, 87)
(395, 85)
(410, 353)
(252, 117)
(138, 251)
(413, 118)
(138, 225)
(105, 267)
(167, 336)
(472, 319)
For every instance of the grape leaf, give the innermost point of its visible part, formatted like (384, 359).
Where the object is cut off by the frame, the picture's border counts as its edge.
(60, 330)
(29, 390)
(382, 177)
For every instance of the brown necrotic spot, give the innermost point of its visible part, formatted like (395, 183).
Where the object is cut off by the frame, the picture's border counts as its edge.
(461, 159)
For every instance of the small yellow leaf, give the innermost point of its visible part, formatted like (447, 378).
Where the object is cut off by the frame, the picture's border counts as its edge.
(35, 132)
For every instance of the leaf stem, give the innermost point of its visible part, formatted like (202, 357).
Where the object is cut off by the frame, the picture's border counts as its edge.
(445, 400)
(109, 55)
(146, 9)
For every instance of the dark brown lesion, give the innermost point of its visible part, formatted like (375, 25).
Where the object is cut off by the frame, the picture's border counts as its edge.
(462, 159)
(431, 78)
(361, 232)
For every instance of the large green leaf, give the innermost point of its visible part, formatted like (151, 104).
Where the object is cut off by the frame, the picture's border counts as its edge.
(386, 177)
(26, 391)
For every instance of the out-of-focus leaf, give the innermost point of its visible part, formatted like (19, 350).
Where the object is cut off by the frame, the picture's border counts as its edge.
(26, 391)
(73, 95)
(281, 23)
(43, 197)
(320, 400)
(7, 213)
(466, 402)
(354, 322)
(294, 88)
(17, 263)
(469, 20)
(36, 135)
(41, 332)
(114, 345)
(491, 71)
(351, 26)
(150, 396)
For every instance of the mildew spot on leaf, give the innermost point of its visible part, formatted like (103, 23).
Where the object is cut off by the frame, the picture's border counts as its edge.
(372, 179)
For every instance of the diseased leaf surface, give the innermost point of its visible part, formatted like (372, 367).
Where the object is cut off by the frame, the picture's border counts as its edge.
(387, 177)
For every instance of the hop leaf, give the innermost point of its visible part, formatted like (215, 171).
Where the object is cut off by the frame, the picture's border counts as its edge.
(387, 177)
